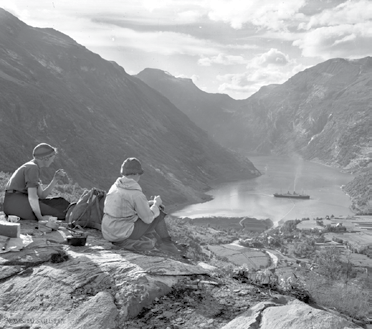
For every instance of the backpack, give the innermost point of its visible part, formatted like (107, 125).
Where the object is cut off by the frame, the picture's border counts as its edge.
(88, 210)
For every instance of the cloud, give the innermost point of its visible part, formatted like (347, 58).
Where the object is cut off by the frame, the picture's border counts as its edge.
(272, 67)
(347, 41)
(10, 6)
(188, 16)
(163, 43)
(221, 59)
(153, 5)
(272, 57)
(248, 43)
(262, 13)
(342, 31)
(94, 25)
(349, 12)
(160, 12)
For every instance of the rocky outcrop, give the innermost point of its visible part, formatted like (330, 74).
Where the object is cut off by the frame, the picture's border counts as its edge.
(95, 286)
(360, 191)
(294, 315)
(49, 284)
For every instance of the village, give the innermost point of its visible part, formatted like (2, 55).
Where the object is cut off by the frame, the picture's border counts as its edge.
(297, 250)
(299, 239)
(252, 260)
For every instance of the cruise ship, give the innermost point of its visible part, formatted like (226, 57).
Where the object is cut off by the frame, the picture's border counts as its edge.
(293, 195)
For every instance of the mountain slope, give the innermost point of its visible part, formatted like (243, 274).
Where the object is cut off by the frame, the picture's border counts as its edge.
(226, 120)
(55, 90)
(323, 113)
(208, 111)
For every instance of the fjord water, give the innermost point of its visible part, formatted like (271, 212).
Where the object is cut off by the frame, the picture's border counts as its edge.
(254, 197)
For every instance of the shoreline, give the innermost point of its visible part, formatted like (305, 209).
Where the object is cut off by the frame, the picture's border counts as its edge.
(175, 208)
(207, 197)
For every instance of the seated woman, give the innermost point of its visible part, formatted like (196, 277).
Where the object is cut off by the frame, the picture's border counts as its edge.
(128, 214)
(24, 195)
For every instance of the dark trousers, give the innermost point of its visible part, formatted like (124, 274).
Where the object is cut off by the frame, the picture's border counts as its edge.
(158, 225)
(17, 204)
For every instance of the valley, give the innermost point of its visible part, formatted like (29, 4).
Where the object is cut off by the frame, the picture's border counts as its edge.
(97, 115)
(315, 115)
(256, 265)
(217, 163)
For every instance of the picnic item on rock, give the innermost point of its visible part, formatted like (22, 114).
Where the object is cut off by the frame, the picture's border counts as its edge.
(52, 223)
(13, 219)
(77, 239)
(11, 230)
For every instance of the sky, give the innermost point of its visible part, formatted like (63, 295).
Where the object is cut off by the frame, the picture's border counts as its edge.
(232, 47)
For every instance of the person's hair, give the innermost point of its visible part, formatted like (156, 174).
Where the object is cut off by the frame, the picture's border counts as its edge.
(44, 151)
(131, 166)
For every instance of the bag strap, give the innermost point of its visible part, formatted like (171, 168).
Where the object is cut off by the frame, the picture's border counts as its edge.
(90, 204)
(94, 192)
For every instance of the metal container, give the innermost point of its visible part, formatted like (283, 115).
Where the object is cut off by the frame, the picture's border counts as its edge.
(77, 239)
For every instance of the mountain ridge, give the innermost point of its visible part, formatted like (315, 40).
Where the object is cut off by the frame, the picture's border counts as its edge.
(55, 90)
(320, 86)
(322, 113)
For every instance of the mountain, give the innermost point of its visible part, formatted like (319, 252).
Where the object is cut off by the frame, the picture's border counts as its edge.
(323, 113)
(55, 90)
(209, 111)
(226, 120)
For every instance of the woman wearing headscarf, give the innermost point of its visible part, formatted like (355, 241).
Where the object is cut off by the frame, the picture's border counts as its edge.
(25, 195)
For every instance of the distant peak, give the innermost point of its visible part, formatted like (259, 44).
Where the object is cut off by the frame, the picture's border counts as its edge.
(149, 70)
(160, 74)
(151, 73)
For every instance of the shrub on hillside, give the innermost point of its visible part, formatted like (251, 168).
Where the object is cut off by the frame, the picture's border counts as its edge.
(329, 263)
(290, 226)
(305, 247)
(333, 284)
(4, 177)
(351, 299)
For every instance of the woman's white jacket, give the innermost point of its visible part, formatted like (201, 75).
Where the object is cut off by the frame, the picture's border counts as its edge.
(125, 203)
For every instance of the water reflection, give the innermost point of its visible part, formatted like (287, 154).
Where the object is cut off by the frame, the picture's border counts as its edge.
(254, 197)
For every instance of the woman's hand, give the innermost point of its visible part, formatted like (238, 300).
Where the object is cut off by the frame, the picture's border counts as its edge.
(59, 174)
(158, 201)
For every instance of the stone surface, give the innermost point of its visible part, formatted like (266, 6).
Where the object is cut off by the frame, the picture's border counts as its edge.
(294, 315)
(53, 284)
(50, 284)
(98, 312)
